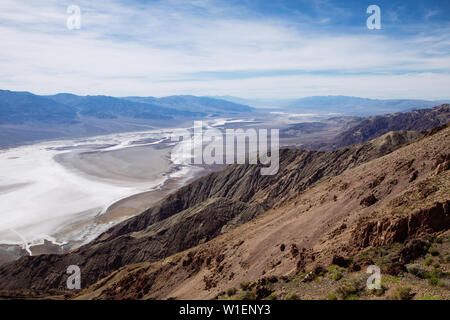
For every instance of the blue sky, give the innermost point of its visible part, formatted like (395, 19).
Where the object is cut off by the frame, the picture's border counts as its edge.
(247, 48)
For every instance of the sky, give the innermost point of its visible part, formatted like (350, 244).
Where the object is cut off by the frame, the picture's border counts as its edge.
(245, 48)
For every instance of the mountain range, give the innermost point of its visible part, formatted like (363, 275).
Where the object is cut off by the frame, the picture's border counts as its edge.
(23, 107)
(343, 105)
(26, 117)
(371, 127)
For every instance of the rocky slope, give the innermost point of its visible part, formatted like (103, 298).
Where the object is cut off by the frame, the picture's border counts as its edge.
(372, 127)
(196, 213)
(392, 211)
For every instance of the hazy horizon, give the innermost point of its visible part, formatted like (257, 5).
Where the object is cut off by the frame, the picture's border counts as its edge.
(224, 97)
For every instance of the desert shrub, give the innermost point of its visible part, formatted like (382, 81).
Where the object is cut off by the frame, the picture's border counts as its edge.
(335, 272)
(231, 291)
(273, 296)
(431, 297)
(379, 292)
(434, 281)
(337, 276)
(332, 268)
(291, 296)
(437, 272)
(245, 285)
(402, 293)
(428, 261)
(331, 296)
(350, 287)
(436, 265)
(391, 279)
(416, 270)
(433, 251)
(438, 240)
(352, 297)
(247, 295)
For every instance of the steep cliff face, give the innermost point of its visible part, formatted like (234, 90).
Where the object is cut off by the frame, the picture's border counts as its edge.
(388, 230)
(197, 213)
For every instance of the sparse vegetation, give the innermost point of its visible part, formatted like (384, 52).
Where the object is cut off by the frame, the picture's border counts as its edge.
(431, 297)
(428, 261)
(273, 296)
(245, 285)
(231, 291)
(337, 276)
(331, 296)
(433, 281)
(350, 287)
(433, 251)
(247, 295)
(379, 292)
(335, 272)
(390, 279)
(416, 270)
(402, 293)
(433, 277)
(291, 296)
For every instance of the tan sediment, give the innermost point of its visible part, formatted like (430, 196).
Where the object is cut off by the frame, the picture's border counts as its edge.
(127, 166)
(137, 203)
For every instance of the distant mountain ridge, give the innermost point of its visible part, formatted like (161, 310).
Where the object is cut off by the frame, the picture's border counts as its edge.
(15, 107)
(346, 105)
(105, 107)
(21, 107)
(26, 117)
(194, 104)
(372, 127)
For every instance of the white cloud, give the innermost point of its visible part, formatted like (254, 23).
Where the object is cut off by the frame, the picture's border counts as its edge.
(158, 49)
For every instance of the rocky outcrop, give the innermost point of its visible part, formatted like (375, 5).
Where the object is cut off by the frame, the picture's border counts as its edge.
(389, 230)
